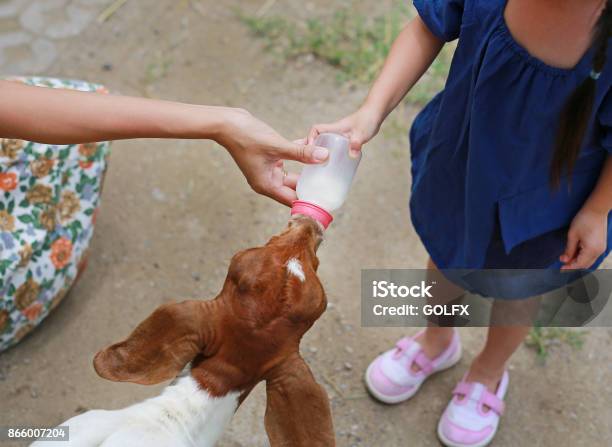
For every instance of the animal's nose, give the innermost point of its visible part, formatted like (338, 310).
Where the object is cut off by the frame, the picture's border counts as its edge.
(307, 226)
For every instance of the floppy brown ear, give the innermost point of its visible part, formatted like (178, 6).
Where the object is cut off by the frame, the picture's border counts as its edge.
(160, 347)
(297, 411)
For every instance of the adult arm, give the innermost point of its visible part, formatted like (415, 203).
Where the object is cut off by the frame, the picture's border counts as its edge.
(68, 117)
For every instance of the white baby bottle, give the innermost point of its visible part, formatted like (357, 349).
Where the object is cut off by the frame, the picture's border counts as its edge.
(322, 189)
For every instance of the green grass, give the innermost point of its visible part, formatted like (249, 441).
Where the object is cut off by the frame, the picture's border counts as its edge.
(352, 43)
(156, 70)
(543, 339)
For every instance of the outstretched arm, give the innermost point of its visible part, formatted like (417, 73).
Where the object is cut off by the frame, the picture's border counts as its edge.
(412, 53)
(55, 116)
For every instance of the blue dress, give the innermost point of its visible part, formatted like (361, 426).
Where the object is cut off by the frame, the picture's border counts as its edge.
(482, 148)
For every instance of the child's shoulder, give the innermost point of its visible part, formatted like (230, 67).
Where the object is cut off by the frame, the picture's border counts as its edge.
(483, 9)
(449, 19)
(477, 15)
(480, 11)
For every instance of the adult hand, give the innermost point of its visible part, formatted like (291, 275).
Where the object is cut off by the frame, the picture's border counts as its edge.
(359, 128)
(259, 151)
(586, 239)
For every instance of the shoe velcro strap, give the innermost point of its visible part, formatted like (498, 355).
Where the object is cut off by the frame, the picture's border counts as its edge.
(423, 362)
(488, 399)
(404, 343)
(493, 402)
(463, 389)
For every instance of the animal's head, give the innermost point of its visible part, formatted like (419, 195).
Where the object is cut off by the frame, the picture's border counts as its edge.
(270, 298)
(250, 332)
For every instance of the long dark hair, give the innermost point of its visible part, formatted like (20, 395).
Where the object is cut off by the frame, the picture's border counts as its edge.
(577, 111)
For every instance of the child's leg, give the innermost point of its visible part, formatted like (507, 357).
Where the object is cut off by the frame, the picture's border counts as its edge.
(510, 324)
(488, 367)
(437, 349)
(434, 340)
(473, 419)
(511, 321)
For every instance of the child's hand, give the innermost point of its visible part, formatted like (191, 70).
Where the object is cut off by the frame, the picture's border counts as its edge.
(359, 128)
(586, 239)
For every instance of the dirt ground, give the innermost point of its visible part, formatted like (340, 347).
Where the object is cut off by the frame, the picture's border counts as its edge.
(174, 212)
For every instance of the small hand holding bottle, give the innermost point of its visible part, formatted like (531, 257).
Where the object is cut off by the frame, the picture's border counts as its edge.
(359, 128)
(322, 189)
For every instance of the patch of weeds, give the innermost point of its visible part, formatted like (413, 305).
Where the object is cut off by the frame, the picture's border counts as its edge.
(157, 70)
(274, 30)
(354, 44)
(543, 339)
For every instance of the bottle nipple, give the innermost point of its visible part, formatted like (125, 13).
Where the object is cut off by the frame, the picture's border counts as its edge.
(312, 210)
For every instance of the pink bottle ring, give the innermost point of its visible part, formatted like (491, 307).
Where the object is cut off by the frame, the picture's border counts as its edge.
(312, 210)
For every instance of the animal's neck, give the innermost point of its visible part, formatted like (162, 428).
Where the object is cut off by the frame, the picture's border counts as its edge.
(192, 413)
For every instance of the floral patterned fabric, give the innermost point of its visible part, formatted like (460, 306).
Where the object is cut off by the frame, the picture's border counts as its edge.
(49, 196)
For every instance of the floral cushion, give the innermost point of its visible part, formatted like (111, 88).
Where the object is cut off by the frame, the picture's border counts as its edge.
(49, 197)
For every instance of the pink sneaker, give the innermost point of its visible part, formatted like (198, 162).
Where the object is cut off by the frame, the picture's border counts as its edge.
(466, 422)
(390, 379)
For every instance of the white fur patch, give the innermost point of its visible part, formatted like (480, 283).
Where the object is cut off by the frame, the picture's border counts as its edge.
(294, 266)
(184, 415)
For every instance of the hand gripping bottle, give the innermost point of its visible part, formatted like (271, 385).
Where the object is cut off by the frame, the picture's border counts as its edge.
(322, 189)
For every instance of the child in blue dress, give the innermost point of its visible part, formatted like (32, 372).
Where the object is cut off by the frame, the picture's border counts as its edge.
(511, 169)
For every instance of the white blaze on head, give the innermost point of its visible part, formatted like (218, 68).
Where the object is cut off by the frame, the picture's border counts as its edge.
(295, 268)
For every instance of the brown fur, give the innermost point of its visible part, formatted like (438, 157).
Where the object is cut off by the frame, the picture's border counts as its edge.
(250, 332)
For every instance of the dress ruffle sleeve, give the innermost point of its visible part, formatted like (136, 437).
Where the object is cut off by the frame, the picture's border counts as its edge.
(442, 17)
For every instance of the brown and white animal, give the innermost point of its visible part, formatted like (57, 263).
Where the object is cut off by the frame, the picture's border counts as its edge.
(250, 332)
